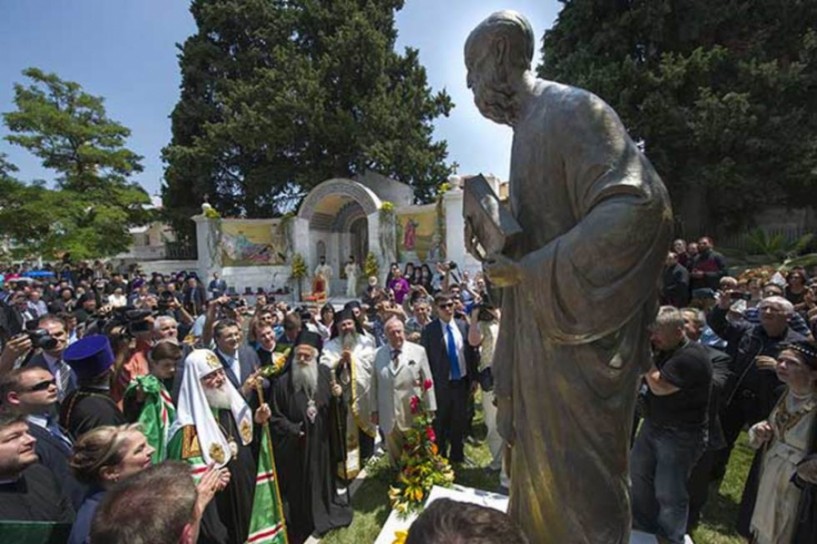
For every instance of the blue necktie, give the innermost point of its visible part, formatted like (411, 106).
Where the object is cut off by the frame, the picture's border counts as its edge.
(452, 353)
(54, 428)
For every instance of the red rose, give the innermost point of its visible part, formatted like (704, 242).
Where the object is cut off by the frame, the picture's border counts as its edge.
(415, 404)
(428, 384)
(430, 434)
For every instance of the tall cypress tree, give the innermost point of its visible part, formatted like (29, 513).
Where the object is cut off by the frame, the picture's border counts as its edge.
(723, 94)
(278, 96)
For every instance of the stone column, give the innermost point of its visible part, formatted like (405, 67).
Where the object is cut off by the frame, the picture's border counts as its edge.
(373, 225)
(209, 256)
(455, 228)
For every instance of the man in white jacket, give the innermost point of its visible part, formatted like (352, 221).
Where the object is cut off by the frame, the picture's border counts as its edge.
(401, 370)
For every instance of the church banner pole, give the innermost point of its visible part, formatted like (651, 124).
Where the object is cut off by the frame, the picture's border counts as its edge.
(260, 391)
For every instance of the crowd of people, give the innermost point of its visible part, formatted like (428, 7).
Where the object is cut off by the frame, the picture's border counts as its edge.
(110, 383)
(730, 354)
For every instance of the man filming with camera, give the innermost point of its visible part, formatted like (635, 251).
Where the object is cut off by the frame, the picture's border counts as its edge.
(52, 337)
(483, 331)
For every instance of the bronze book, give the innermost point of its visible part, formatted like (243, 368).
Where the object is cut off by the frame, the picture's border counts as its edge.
(492, 224)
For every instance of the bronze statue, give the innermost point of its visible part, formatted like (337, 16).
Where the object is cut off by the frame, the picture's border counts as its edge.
(579, 290)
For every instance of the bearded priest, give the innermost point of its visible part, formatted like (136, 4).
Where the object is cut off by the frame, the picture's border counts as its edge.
(350, 354)
(214, 425)
(307, 412)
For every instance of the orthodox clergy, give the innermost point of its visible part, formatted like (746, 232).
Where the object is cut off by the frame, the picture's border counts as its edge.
(306, 416)
(214, 425)
(90, 406)
(350, 355)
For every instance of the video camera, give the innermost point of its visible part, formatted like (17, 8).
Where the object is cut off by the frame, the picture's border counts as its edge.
(486, 308)
(40, 338)
(235, 303)
(123, 321)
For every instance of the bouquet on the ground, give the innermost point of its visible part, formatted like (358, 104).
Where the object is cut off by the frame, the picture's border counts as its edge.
(420, 466)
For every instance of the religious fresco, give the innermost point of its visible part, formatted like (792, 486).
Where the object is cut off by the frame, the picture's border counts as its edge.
(420, 236)
(245, 243)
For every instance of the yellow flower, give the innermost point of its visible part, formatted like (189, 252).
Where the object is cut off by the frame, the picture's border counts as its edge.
(400, 537)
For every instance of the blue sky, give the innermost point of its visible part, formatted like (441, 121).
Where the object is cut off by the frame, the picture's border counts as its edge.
(124, 51)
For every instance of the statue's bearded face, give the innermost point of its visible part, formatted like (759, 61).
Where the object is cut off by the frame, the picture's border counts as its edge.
(493, 94)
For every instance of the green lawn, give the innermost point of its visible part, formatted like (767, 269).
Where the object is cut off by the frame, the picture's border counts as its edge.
(371, 503)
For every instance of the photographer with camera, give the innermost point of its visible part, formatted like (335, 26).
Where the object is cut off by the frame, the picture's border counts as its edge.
(52, 338)
(139, 335)
(223, 307)
(168, 305)
(483, 331)
(16, 313)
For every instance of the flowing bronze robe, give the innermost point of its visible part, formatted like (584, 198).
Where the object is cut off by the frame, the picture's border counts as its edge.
(573, 341)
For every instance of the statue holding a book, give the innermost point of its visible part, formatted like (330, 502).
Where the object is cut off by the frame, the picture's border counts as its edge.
(577, 253)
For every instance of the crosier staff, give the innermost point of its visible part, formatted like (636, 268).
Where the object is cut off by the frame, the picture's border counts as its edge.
(343, 369)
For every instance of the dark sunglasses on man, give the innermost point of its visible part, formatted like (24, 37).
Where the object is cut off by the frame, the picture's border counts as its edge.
(42, 386)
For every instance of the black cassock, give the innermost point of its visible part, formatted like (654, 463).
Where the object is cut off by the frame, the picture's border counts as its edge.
(306, 464)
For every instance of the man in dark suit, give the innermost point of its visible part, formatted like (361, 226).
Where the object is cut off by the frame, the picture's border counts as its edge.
(29, 491)
(17, 313)
(674, 282)
(217, 286)
(51, 359)
(32, 392)
(240, 361)
(195, 297)
(453, 363)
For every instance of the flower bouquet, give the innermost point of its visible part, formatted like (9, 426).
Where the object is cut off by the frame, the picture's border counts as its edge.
(277, 366)
(420, 466)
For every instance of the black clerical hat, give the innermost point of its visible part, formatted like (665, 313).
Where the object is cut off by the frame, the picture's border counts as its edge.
(309, 338)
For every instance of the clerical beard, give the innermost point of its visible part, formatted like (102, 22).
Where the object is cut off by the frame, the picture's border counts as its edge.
(218, 398)
(348, 340)
(305, 377)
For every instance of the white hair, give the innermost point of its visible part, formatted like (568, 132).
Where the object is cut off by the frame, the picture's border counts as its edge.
(669, 317)
(778, 301)
(161, 320)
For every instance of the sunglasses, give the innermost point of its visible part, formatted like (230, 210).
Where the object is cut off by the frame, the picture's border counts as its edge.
(446, 305)
(42, 386)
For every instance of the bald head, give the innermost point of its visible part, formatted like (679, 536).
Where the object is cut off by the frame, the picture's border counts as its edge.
(498, 55)
(508, 28)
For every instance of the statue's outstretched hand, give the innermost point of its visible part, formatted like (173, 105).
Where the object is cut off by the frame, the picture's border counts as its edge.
(502, 271)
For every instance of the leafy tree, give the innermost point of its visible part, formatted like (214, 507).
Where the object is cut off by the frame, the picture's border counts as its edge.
(278, 96)
(721, 93)
(94, 204)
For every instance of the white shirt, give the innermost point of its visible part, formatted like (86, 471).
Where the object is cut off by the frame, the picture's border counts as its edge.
(232, 362)
(55, 365)
(458, 341)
